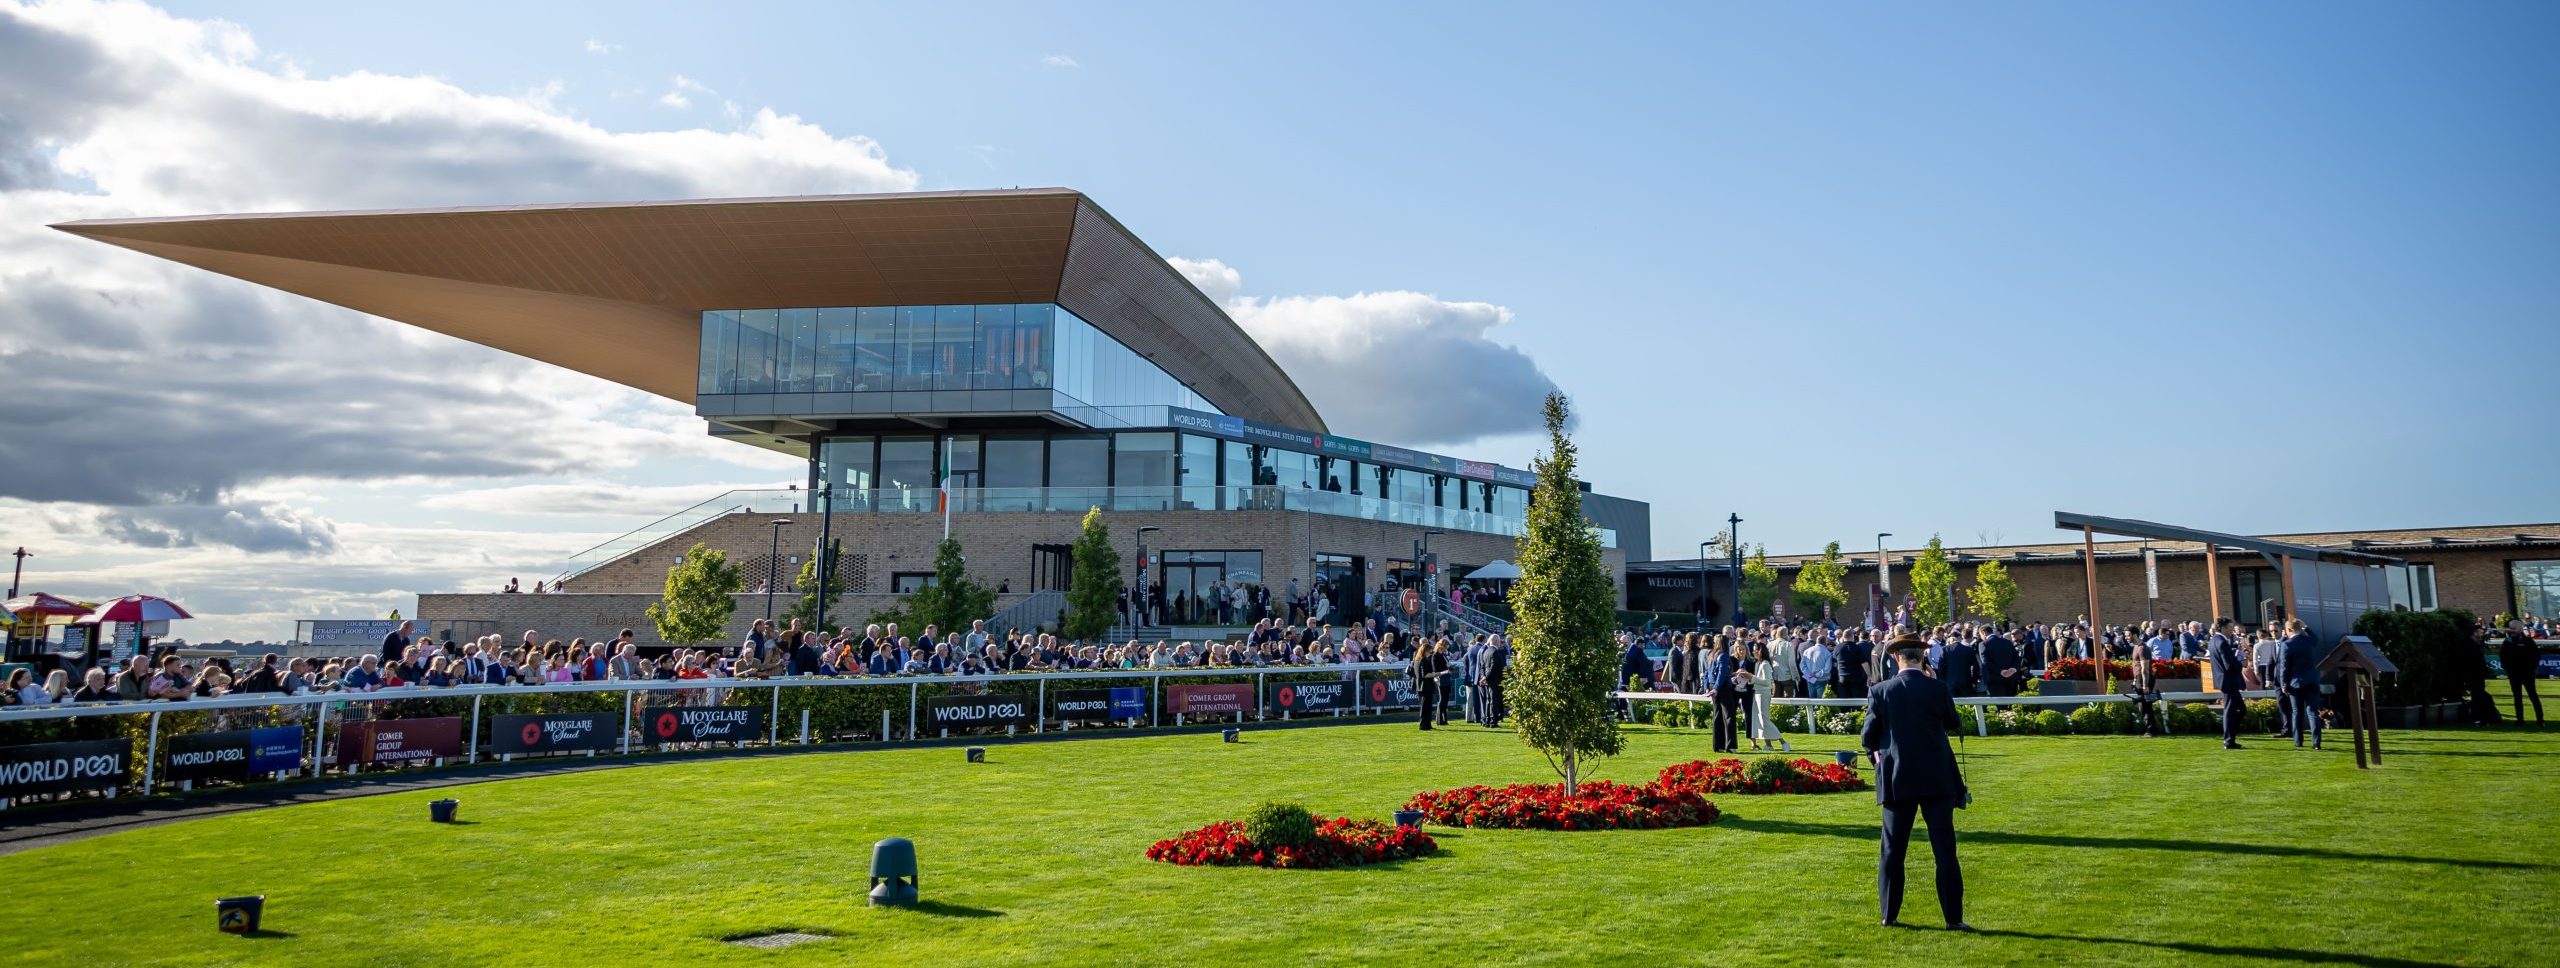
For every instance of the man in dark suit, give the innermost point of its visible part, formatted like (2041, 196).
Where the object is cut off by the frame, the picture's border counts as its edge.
(804, 652)
(1849, 664)
(1958, 669)
(2224, 649)
(2521, 657)
(1908, 719)
(2002, 670)
(2298, 669)
(1633, 666)
(1720, 669)
(395, 643)
(1471, 675)
(1497, 664)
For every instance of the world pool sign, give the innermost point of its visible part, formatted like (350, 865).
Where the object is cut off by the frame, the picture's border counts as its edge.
(97, 764)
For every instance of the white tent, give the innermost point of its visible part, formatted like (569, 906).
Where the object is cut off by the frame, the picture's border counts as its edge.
(1495, 570)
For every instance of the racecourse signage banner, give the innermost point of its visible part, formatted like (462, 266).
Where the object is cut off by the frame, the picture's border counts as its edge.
(959, 712)
(1224, 697)
(1123, 702)
(702, 724)
(400, 740)
(96, 764)
(1400, 694)
(1311, 697)
(235, 754)
(555, 733)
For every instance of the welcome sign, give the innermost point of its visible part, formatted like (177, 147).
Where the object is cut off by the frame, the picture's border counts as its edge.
(961, 712)
(96, 764)
(555, 733)
(702, 724)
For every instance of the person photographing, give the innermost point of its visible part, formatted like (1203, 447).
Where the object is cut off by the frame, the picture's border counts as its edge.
(1908, 718)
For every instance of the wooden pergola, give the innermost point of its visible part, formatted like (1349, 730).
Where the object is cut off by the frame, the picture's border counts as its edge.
(2279, 554)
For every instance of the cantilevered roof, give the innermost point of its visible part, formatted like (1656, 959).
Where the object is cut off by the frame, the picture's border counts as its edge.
(616, 289)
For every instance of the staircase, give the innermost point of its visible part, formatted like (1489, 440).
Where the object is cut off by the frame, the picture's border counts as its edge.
(1032, 612)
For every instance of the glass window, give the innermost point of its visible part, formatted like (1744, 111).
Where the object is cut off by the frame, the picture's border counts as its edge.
(795, 359)
(907, 582)
(960, 460)
(2537, 587)
(996, 356)
(906, 474)
(757, 340)
(914, 355)
(875, 348)
(2249, 588)
(845, 462)
(719, 352)
(1142, 471)
(1079, 461)
(1033, 337)
(1013, 468)
(955, 345)
(836, 328)
(1293, 470)
(1198, 475)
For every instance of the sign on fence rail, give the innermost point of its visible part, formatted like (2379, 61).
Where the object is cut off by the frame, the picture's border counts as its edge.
(96, 764)
(1311, 697)
(1223, 697)
(701, 724)
(234, 754)
(959, 712)
(400, 740)
(1101, 705)
(555, 733)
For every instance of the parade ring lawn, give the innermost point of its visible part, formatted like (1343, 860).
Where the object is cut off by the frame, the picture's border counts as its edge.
(2078, 851)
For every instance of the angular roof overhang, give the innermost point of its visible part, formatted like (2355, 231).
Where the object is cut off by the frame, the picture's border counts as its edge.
(616, 289)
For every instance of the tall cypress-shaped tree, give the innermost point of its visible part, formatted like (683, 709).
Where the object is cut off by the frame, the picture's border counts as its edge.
(1993, 591)
(1759, 588)
(1823, 582)
(1564, 663)
(952, 600)
(1932, 578)
(1093, 602)
(701, 592)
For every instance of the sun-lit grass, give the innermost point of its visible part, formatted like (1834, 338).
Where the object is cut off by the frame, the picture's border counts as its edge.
(2080, 850)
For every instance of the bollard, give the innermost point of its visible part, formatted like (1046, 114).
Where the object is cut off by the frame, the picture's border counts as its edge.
(894, 878)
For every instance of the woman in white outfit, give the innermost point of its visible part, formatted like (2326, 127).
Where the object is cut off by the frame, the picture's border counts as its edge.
(1764, 684)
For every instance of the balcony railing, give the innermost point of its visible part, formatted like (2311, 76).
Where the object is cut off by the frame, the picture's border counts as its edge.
(894, 500)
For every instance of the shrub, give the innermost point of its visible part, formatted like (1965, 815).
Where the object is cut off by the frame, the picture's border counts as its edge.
(2090, 720)
(1331, 842)
(2193, 717)
(1763, 775)
(1271, 824)
(2437, 659)
(2052, 722)
(1769, 771)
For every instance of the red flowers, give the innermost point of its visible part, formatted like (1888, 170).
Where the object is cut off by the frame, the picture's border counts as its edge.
(2160, 669)
(1702, 777)
(1595, 805)
(1340, 842)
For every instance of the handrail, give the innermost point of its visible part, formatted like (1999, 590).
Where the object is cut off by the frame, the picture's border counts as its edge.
(592, 558)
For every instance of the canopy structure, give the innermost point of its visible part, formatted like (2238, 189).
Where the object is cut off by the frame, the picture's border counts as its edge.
(1495, 570)
(138, 608)
(31, 606)
(2342, 584)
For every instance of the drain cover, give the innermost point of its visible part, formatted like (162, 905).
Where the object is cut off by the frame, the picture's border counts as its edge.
(783, 940)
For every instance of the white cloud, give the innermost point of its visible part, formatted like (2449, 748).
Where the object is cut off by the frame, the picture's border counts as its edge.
(1060, 61)
(160, 409)
(1403, 367)
(675, 100)
(595, 46)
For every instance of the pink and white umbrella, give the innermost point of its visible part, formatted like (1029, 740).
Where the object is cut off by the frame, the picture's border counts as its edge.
(138, 608)
(34, 604)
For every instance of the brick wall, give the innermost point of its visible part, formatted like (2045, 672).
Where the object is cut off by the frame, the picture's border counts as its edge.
(601, 615)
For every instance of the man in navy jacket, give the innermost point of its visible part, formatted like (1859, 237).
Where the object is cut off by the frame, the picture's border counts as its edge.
(1720, 670)
(2224, 649)
(1908, 718)
(2298, 669)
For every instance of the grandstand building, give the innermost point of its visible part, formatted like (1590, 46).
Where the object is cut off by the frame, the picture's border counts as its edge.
(1021, 347)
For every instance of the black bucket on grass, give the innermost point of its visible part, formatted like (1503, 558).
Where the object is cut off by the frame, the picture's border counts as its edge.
(442, 811)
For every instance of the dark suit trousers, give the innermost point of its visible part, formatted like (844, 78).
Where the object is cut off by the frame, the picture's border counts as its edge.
(2306, 714)
(1429, 691)
(1494, 712)
(1939, 814)
(2233, 708)
(2522, 686)
(1728, 713)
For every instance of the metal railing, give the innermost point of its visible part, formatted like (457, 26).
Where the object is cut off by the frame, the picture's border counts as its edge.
(1980, 704)
(1040, 607)
(319, 757)
(742, 501)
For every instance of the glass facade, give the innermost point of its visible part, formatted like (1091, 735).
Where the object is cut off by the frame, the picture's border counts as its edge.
(925, 349)
(1151, 470)
(2537, 587)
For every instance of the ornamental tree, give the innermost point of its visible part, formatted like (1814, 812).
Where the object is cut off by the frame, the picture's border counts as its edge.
(805, 607)
(1931, 579)
(1759, 584)
(1093, 598)
(702, 590)
(952, 600)
(1993, 591)
(1822, 582)
(1565, 662)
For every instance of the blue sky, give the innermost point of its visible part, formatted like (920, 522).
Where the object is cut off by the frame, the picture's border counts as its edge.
(1842, 268)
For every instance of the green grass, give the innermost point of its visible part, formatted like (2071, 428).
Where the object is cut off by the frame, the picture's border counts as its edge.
(2079, 851)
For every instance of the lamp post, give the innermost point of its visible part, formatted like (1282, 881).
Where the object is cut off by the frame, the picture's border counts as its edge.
(1422, 571)
(773, 567)
(1703, 617)
(1733, 527)
(18, 570)
(826, 505)
(1138, 603)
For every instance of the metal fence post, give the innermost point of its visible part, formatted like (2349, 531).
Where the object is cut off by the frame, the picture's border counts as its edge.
(628, 697)
(1257, 696)
(773, 722)
(150, 753)
(1981, 723)
(1040, 707)
(1155, 705)
(472, 752)
(911, 708)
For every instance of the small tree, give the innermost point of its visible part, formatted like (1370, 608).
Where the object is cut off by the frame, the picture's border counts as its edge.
(1931, 579)
(1822, 582)
(1093, 600)
(1565, 662)
(805, 608)
(1759, 584)
(702, 590)
(1993, 591)
(952, 600)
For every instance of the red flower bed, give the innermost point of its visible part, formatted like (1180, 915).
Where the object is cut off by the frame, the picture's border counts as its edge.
(1596, 805)
(1730, 776)
(1340, 842)
(2160, 669)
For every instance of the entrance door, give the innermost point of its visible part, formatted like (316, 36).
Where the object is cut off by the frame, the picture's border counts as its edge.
(1053, 566)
